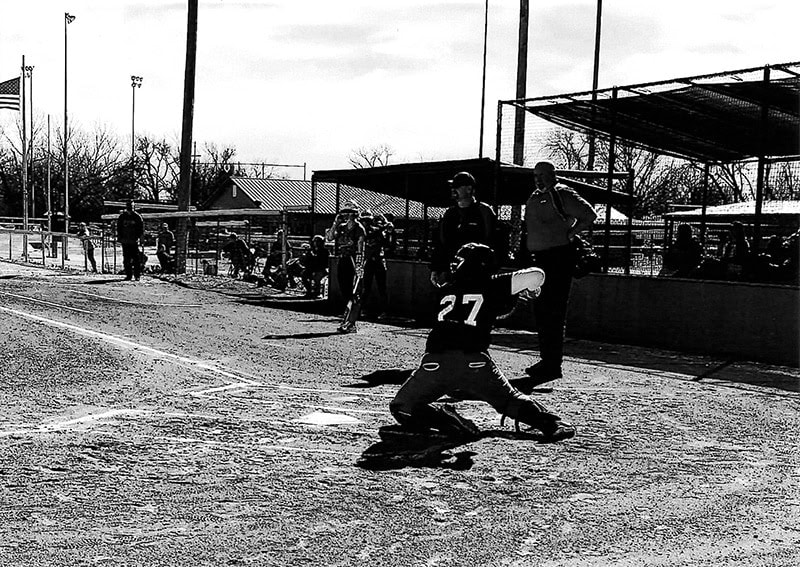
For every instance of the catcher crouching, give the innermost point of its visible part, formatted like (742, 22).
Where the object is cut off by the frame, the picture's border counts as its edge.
(457, 360)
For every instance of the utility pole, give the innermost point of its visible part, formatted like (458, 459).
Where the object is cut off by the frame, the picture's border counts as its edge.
(185, 186)
(519, 115)
(522, 80)
(590, 160)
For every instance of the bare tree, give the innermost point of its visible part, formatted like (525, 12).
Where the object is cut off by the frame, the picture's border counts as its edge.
(158, 168)
(372, 156)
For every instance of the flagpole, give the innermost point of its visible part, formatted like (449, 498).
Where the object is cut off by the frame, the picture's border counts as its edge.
(67, 19)
(31, 152)
(49, 203)
(24, 169)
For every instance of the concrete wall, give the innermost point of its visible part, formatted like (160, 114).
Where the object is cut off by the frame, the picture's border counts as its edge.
(737, 320)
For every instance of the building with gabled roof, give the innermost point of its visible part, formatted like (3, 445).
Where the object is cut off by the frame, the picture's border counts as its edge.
(323, 197)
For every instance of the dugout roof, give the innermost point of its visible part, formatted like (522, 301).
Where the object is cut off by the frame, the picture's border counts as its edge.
(723, 117)
(426, 182)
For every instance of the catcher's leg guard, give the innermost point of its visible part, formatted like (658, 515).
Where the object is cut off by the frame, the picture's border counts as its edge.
(442, 418)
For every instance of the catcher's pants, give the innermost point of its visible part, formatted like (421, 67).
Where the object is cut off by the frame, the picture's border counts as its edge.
(474, 374)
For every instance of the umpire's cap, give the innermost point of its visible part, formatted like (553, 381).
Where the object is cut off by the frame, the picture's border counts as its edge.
(462, 178)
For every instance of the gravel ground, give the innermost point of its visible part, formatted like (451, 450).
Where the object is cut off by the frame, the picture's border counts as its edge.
(203, 421)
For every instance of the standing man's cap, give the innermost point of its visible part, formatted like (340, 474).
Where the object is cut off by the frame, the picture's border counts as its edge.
(462, 178)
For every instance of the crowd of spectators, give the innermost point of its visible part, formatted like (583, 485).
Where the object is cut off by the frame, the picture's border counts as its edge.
(735, 259)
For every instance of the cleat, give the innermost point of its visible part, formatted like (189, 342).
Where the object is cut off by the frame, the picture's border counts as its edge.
(538, 374)
(560, 431)
(346, 328)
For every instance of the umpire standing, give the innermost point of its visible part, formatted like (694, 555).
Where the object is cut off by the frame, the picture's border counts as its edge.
(554, 215)
(130, 229)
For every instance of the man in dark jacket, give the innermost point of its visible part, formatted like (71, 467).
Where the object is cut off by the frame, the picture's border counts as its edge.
(130, 229)
(468, 220)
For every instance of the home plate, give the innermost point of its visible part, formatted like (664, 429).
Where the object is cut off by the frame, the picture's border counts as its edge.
(324, 418)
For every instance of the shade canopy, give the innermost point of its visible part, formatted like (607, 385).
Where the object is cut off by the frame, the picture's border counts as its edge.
(724, 117)
(783, 212)
(426, 182)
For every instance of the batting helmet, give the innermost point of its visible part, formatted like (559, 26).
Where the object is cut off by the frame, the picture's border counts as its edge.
(473, 261)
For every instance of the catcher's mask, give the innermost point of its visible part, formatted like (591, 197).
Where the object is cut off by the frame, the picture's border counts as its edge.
(473, 261)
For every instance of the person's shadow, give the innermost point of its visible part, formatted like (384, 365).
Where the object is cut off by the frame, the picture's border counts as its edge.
(394, 453)
(398, 376)
(316, 335)
(101, 282)
(382, 377)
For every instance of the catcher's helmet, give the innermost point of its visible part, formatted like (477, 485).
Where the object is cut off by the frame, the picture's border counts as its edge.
(473, 261)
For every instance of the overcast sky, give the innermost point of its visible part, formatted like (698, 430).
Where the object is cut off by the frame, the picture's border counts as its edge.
(307, 81)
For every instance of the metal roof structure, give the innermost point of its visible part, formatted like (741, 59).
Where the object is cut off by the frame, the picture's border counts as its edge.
(275, 194)
(426, 182)
(725, 117)
(745, 212)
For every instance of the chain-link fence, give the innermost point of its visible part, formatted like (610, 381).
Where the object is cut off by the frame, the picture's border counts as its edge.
(205, 246)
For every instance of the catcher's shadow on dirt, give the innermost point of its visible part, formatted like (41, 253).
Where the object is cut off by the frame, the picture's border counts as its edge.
(393, 376)
(388, 455)
(398, 377)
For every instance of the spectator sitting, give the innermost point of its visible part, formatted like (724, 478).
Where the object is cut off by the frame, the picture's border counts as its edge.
(239, 255)
(684, 256)
(275, 255)
(780, 262)
(315, 266)
(296, 266)
(736, 253)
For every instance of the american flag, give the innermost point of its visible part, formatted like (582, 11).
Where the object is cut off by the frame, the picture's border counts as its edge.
(9, 94)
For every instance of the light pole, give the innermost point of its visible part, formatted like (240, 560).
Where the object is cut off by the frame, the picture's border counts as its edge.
(28, 71)
(483, 82)
(136, 83)
(68, 19)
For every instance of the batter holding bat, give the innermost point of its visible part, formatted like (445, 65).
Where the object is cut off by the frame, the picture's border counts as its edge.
(349, 236)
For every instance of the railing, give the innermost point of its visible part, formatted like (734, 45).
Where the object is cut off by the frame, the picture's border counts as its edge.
(47, 249)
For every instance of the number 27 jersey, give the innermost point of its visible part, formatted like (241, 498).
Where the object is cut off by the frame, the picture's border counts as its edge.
(466, 314)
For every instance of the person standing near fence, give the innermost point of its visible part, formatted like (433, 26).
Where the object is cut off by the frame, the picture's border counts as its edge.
(164, 244)
(375, 243)
(130, 229)
(349, 235)
(88, 246)
(554, 215)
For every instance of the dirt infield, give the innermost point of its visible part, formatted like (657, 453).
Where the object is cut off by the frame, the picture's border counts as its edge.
(207, 422)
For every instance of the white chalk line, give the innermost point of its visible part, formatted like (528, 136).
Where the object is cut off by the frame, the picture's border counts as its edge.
(240, 379)
(42, 301)
(142, 303)
(128, 344)
(95, 417)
